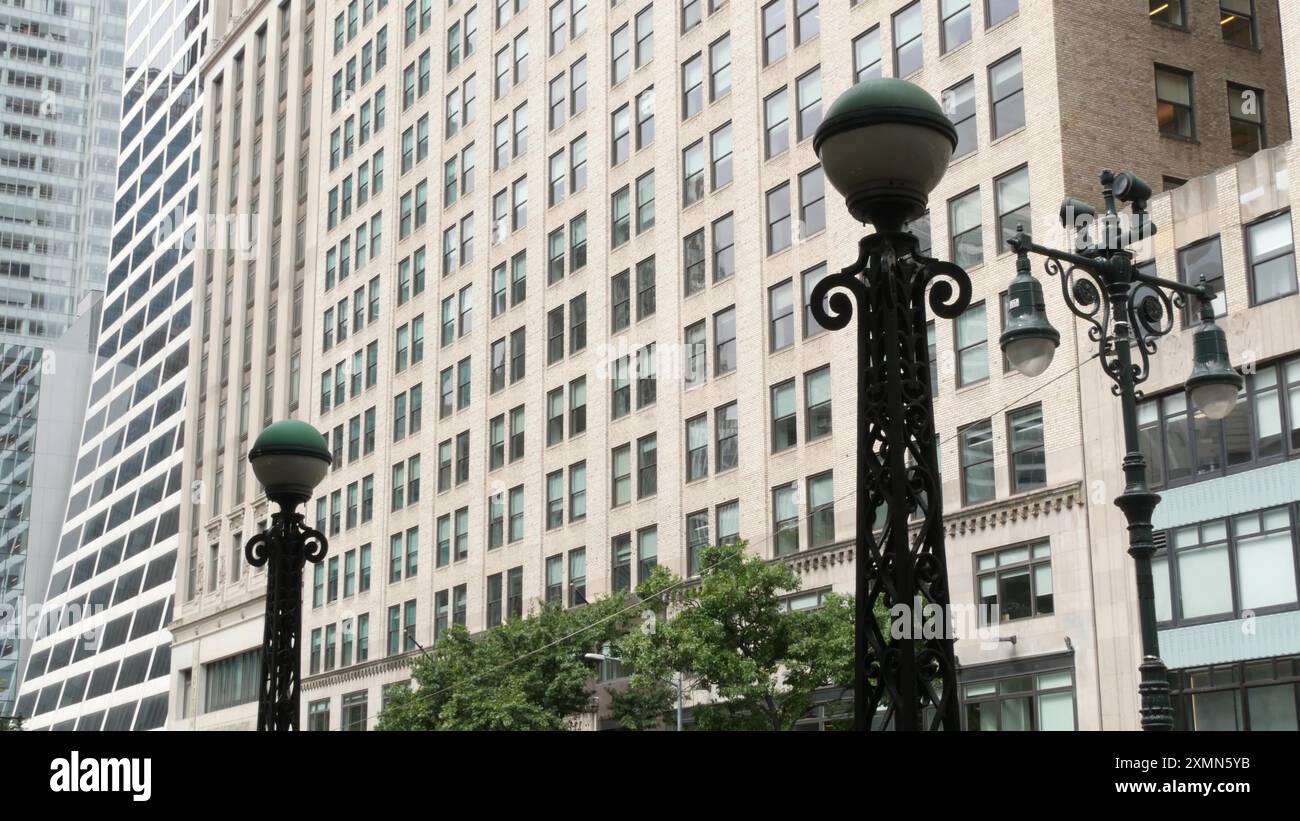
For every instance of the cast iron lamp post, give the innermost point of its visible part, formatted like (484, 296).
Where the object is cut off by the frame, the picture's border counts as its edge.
(884, 145)
(289, 458)
(1126, 311)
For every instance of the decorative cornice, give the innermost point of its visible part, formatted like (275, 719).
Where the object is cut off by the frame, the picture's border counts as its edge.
(359, 671)
(821, 558)
(1021, 508)
(968, 521)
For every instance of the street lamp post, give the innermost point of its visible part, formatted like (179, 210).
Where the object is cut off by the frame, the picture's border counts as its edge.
(289, 459)
(884, 145)
(1126, 311)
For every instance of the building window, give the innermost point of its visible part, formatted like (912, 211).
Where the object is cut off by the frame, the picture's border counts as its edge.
(515, 593)
(645, 36)
(1262, 428)
(821, 510)
(647, 474)
(908, 53)
(812, 202)
(866, 55)
(1204, 259)
(778, 219)
(647, 552)
(621, 464)
(1169, 12)
(774, 40)
(693, 173)
(781, 315)
(724, 342)
(954, 25)
(1014, 583)
(692, 86)
(494, 592)
(995, 11)
(721, 171)
(620, 55)
(726, 421)
(1271, 255)
(1251, 695)
(785, 427)
(1217, 569)
(808, 95)
(645, 202)
(785, 516)
(1246, 118)
(1043, 701)
(959, 105)
(697, 370)
(1174, 113)
(621, 563)
(817, 403)
(1007, 93)
(727, 517)
(1011, 192)
(693, 263)
(621, 217)
(690, 14)
(555, 579)
(976, 457)
(577, 577)
(577, 491)
(1237, 22)
(972, 346)
(697, 538)
(724, 249)
(645, 121)
(720, 68)
(697, 447)
(965, 230)
(807, 20)
(811, 327)
(776, 123)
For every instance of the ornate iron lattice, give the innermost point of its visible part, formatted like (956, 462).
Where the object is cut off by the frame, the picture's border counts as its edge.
(284, 549)
(1147, 313)
(900, 538)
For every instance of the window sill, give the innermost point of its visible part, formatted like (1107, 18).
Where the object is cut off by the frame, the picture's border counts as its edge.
(959, 160)
(972, 385)
(1179, 138)
(1183, 29)
(1006, 136)
(956, 50)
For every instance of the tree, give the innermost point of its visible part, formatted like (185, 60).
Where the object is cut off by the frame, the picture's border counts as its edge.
(527, 674)
(731, 634)
(11, 723)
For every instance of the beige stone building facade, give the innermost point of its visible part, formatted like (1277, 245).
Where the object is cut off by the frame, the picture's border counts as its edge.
(253, 291)
(554, 323)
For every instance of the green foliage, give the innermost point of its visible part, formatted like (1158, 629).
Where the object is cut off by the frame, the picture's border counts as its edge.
(11, 723)
(731, 634)
(527, 674)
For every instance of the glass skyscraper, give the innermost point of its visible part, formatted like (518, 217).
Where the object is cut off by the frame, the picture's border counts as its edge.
(61, 84)
(102, 653)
